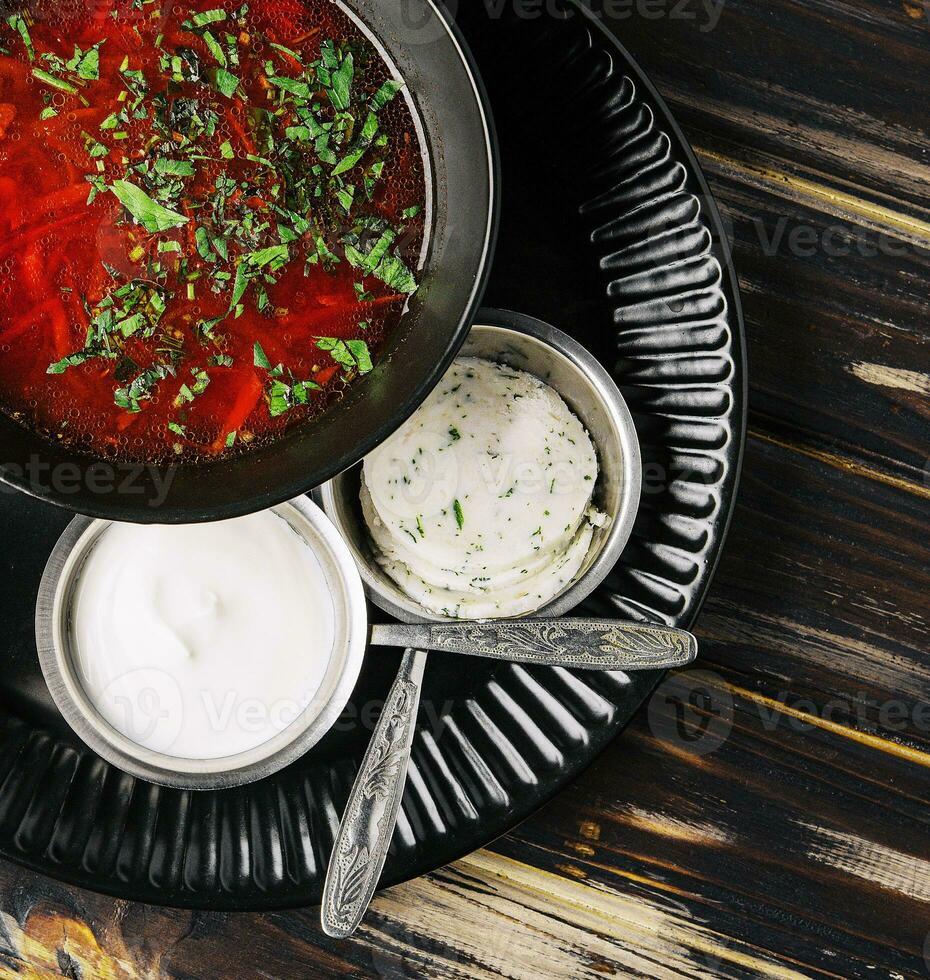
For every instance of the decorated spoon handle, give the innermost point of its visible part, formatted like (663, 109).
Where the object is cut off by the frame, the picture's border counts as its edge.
(367, 826)
(586, 643)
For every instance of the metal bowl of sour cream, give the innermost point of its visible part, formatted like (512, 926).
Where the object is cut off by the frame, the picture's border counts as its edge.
(539, 349)
(201, 701)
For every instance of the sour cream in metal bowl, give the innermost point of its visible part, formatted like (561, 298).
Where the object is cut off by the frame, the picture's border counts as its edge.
(202, 656)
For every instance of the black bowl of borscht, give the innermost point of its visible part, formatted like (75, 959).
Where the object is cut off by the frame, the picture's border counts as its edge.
(240, 243)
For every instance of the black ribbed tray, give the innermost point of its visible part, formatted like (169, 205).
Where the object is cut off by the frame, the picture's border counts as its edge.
(608, 232)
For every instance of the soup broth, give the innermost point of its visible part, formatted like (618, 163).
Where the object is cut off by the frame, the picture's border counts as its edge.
(211, 216)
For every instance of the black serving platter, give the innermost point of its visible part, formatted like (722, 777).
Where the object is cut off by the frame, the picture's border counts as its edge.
(608, 232)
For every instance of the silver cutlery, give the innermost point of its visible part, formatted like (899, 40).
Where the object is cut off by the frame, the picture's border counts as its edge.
(364, 836)
(584, 643)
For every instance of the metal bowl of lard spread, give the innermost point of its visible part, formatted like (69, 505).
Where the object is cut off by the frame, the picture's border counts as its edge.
(530, 345)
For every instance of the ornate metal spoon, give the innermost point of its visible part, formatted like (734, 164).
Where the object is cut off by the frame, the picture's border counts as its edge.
(367, 826)
(594, 644)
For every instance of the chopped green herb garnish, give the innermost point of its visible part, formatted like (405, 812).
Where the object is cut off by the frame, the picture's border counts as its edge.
(261, 359)
(150, 214)
(141, 387)
(18, 23)
(301, 89)
(350, 354)
(226, 82)
(86, 64)
(386, 94)
(206, 17)
(359, 350)
(53, 80)
(339, 85)
(177, 168)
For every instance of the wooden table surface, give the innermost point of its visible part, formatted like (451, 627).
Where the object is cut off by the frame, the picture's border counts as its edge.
(768, 814)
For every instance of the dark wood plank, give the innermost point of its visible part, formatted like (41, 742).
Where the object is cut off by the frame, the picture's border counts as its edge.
(823, 88)
(775, 840)
(838, 340)
(823, 590)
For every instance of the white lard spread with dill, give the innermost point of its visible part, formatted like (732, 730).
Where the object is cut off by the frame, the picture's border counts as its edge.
(202, 641)
(480, 506)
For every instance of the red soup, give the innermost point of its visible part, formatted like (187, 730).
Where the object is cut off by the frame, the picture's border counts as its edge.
(211, 214)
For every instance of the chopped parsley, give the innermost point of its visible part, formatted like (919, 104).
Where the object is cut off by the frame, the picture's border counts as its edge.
(149, 213)
(353, 355)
